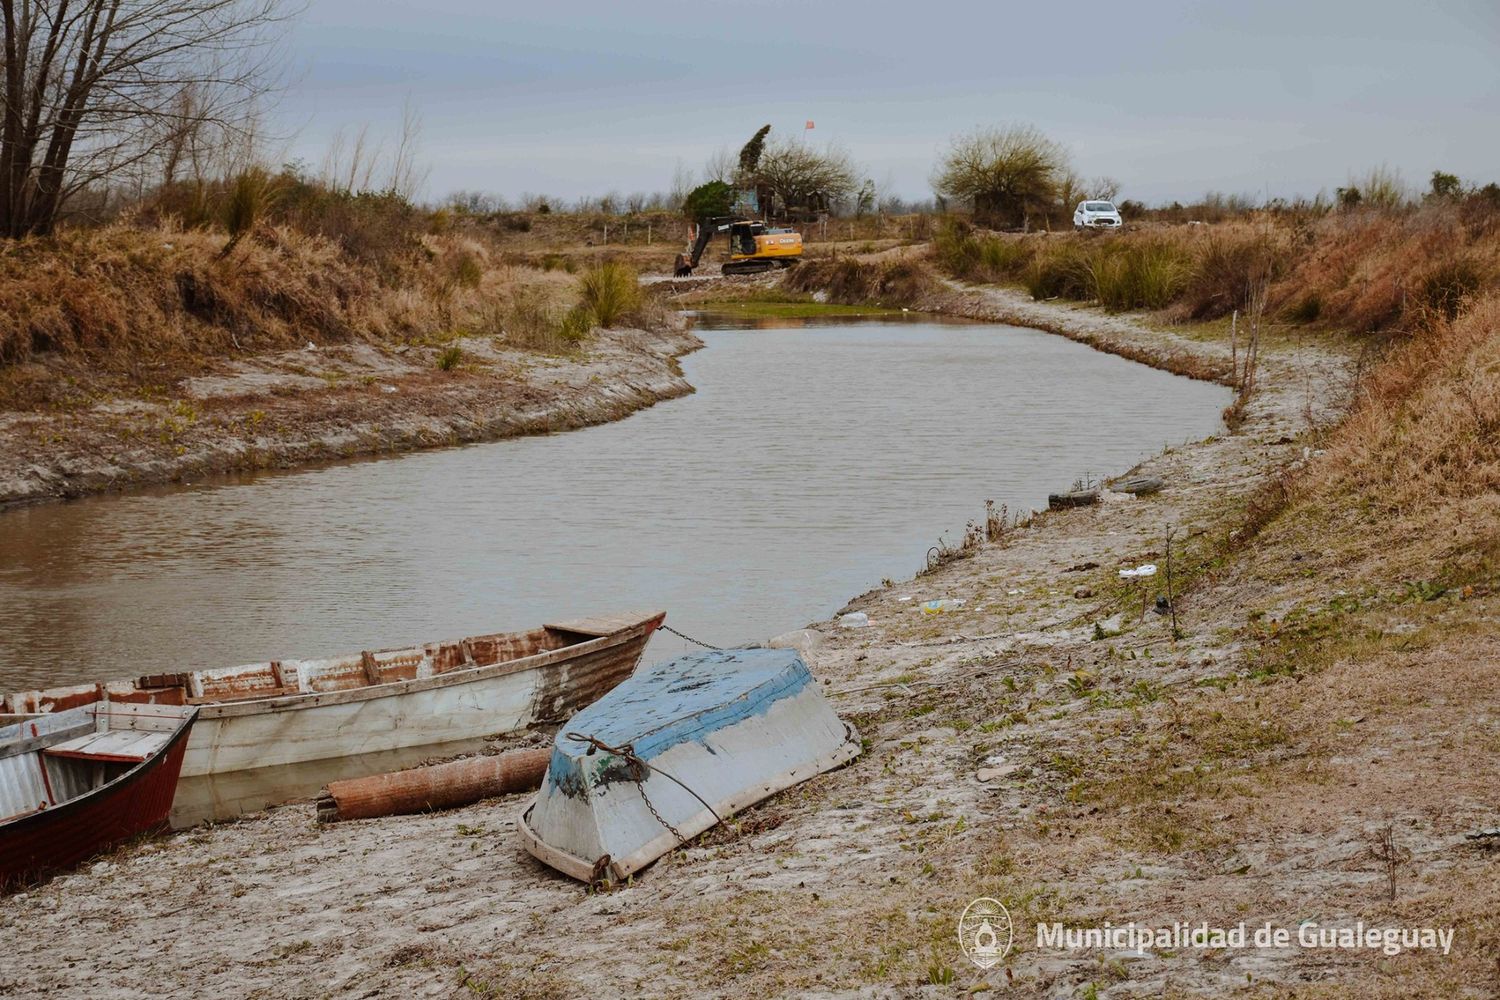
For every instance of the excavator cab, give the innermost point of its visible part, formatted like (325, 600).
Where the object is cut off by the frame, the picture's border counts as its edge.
(753, 246)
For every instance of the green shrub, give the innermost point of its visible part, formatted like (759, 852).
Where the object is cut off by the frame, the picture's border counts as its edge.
(576, 325)
(609, 292)
(963, 254)
(1142, 275)
(1004, 258)
(956, 249)
(1060, 271)
(708, 200)
(450, 358)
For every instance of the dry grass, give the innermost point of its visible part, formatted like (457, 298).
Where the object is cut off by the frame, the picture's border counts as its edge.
(1416, 466)
(1359, 271)
(848, 281)
(125, 301)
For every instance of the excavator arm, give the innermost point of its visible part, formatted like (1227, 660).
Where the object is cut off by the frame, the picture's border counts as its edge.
(707, 229)
(753, 247)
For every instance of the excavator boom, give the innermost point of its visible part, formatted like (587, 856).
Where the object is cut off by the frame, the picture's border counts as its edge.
(753, 247)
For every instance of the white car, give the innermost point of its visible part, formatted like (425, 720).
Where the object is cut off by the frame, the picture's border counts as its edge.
(1097, 215)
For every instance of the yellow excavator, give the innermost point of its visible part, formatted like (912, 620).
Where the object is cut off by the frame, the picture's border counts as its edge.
(753, 246)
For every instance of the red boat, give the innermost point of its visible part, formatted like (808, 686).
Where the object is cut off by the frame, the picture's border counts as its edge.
(73, 783)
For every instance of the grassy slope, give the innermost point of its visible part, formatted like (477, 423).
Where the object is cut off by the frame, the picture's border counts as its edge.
(1357, 592)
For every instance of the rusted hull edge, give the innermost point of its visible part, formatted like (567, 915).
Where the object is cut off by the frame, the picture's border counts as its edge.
(278, 685)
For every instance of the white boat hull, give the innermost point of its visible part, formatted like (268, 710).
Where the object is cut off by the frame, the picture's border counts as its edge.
(729, 755)
(374, 712)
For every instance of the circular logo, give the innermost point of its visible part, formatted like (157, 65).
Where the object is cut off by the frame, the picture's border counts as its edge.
(984, 931)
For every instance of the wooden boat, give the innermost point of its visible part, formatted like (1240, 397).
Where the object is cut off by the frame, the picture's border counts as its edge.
(271, 732)
(675, 749)
(75, 782)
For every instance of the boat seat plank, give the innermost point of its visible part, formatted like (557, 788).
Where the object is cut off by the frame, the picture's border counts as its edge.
(597, 624)
(125, 745)
(34, 743)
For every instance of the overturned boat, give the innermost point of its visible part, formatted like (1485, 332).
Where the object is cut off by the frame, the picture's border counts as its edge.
(674, 750)
(75, 782)
(270, 732)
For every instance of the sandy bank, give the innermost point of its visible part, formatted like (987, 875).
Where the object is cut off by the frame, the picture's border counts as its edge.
(984, 730)
(322, 403)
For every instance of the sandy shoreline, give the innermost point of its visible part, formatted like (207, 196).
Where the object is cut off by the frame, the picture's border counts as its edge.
(979, 724)
(296, 408)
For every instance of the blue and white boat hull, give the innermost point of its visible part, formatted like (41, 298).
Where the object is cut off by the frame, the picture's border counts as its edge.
(696, 740)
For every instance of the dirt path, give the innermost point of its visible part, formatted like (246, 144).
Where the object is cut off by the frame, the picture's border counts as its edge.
(1020, 747)
(319, 404)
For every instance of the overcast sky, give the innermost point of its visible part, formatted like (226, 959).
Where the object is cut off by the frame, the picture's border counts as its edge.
(1171, 98)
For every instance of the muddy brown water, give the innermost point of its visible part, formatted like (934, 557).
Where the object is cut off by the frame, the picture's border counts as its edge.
(816, 458)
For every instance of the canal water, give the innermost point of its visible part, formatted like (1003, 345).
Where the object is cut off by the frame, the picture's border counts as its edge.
(815, 459)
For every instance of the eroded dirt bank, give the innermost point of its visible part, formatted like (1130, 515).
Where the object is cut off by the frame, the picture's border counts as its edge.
(329, 402)
(1051, 744)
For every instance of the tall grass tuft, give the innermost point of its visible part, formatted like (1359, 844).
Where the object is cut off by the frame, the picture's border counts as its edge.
(1228, 265)
(1145, 275)
(608, 293)
(1060, 271)
(250, 195)
(964, 253)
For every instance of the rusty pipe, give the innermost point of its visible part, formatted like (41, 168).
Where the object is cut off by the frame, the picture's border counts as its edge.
(439, 786)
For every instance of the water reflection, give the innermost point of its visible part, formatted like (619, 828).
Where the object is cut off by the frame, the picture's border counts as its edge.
(814, 460)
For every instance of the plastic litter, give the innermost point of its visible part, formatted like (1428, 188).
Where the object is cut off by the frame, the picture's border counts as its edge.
(1146, 569)
(942, 604)
(854, 619)
(803, 640)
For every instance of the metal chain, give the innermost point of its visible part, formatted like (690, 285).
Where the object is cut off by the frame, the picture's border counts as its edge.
(697, 642)
(636, 772)
(638, 767)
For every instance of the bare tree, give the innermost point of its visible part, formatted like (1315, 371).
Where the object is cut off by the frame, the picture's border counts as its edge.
(1104, 188)
(406, 177)
(95, 88)
(349, 165)
(804, 178)
(720, 166)
(682, 183)
(1006, 174)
